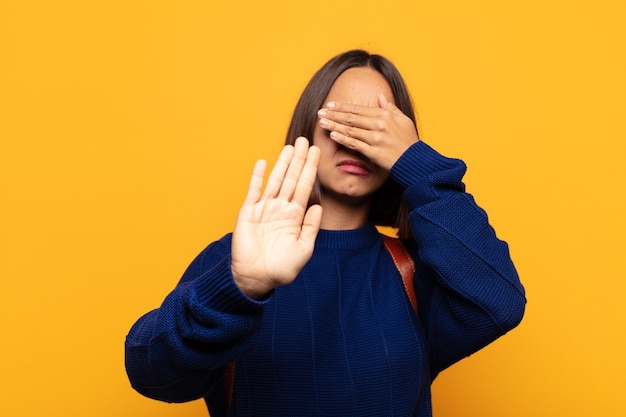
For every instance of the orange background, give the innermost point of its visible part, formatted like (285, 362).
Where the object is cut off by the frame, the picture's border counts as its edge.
(129, 128)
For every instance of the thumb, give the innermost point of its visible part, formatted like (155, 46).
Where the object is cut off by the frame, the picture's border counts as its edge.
(311, 225)
(386, 104)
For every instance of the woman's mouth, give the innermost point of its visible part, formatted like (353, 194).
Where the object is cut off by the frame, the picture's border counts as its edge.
(354, 167)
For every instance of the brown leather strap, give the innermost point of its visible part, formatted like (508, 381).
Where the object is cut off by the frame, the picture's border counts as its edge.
(229, 383)
(405, 266)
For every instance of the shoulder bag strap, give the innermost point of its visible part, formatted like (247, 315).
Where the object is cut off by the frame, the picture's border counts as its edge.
(405, 266)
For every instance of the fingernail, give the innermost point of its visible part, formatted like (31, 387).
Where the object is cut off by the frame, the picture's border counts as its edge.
(324, 123)
(321, 113)
(331, 105)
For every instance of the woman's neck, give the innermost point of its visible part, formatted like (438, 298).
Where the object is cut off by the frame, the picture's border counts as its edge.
(342, 215)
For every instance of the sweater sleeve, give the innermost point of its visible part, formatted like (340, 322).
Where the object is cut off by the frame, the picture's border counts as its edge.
(467, 287)
(179, 351)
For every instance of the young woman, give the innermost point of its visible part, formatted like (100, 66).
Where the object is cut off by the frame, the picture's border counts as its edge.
(304, 299)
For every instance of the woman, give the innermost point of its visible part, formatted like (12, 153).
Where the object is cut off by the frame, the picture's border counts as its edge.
(304, 298)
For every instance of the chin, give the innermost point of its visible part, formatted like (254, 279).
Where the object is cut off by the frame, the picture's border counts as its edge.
(351, 196)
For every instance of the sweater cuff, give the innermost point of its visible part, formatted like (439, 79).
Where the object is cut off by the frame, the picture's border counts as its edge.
(419, 161)
(217, 290)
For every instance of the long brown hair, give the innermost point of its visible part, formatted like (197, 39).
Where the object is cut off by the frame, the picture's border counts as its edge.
(388, 207)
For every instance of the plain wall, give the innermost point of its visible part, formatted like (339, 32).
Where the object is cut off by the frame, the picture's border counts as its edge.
(129, 129)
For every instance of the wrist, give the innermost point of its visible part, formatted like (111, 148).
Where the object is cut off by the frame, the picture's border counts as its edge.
(251, 287)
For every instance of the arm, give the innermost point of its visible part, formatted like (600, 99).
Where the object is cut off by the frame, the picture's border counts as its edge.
(468, 289)
(179, 351)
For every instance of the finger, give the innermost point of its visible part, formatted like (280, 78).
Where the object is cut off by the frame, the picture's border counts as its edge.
(388, 105)
(307, 178)
(256, 182)
(382, 101)
(275, 179)
(346, 131)
(300, 151)
(311, 226)
(368, 122)
(352, 108)
(355, 144)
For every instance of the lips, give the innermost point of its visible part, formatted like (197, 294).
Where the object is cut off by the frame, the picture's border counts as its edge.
(354, 167)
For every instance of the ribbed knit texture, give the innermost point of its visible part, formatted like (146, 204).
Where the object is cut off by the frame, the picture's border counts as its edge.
(342, 339)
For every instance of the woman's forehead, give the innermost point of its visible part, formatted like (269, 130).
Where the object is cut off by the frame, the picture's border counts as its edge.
(360, 85)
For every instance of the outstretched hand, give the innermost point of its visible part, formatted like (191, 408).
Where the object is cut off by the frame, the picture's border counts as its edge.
(275, 232)
(380, 133)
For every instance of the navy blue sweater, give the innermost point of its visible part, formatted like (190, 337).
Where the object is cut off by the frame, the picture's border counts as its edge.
(342, 339)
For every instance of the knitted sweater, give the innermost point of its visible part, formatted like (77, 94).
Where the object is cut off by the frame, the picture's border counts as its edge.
(342, 339)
